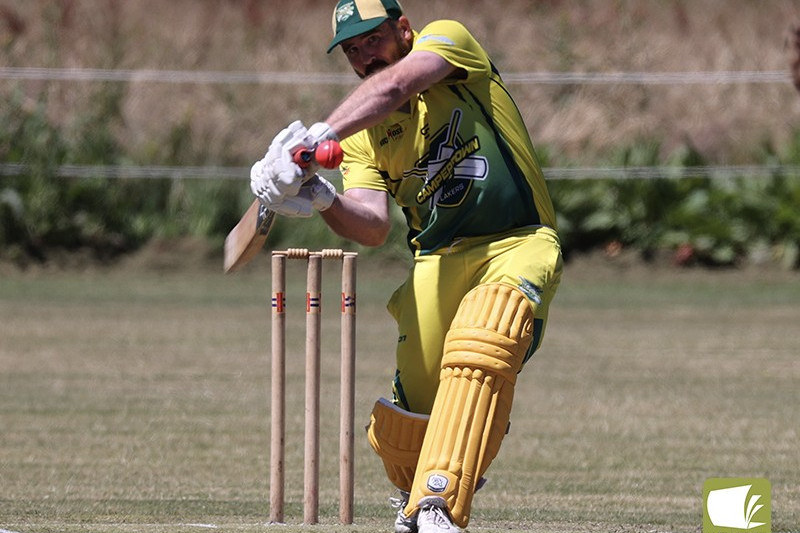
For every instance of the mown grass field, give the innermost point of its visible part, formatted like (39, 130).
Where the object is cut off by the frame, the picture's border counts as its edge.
(137, 401)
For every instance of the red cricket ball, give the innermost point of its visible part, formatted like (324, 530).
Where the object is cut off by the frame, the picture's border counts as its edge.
(329, 154)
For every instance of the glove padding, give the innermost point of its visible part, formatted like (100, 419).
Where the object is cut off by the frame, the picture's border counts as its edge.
(292, 137)
(295, 136)
(317, 193)
(277, 177)
(319, 132)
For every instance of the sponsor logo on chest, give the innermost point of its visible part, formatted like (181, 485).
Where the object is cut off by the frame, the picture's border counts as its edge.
(393, 133)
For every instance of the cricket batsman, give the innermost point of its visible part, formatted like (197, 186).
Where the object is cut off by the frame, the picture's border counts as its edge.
(434, 128)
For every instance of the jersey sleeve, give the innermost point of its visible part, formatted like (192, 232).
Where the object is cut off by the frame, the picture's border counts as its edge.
(456, 45)
(358, 165)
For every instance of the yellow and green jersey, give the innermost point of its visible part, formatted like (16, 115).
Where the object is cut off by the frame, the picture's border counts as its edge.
(460, 163)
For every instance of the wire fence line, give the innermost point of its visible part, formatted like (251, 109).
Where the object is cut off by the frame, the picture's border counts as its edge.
(323, 78)
(550, 173)
(294, 78)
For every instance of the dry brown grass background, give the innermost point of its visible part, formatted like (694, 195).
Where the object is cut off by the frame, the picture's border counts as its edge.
(230, 124)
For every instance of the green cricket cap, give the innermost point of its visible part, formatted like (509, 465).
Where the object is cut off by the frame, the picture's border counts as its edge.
(354, 17)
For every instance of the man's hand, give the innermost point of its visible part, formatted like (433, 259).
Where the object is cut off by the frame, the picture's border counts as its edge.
(292, 138)
(293, 207)
(317, 193)
(276, 175)
(320, 132)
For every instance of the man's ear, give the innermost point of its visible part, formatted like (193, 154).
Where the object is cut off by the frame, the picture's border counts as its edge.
(405, 26)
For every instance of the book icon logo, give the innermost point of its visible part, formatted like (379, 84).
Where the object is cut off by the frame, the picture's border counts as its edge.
(736, 504)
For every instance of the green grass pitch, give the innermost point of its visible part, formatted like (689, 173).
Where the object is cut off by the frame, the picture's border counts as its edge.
(139, 402)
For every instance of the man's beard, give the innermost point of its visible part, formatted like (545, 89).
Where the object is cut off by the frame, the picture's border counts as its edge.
(379, 65)
(375, 67)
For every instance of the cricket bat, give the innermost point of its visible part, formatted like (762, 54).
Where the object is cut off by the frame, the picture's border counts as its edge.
(247, 238)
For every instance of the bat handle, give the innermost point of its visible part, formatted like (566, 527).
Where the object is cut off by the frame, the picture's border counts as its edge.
(303, 157)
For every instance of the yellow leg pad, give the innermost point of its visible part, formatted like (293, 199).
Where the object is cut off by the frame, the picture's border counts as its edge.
(483, 352)
(396, 436)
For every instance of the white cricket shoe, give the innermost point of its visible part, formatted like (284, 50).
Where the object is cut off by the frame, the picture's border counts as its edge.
(433, 516)
(402, 523)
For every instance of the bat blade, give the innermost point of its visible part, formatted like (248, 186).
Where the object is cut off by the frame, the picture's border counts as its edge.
(248, 236)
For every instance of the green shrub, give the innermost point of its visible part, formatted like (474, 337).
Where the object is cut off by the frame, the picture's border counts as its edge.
(710, 221)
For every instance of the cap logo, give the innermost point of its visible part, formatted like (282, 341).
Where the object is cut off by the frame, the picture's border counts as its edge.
(345, 11)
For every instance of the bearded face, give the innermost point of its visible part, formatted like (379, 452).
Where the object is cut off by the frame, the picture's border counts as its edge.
(375, 50)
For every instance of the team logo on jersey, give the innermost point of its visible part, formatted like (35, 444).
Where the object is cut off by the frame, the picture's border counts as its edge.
(452, 166)
(345, 11)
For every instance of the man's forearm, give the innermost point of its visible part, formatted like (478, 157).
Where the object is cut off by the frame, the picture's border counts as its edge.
(366, 224)
(387, 91)
(367, 105)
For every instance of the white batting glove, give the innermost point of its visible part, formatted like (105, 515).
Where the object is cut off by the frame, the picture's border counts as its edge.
(294, 207)
(275, 177)
(292, 137)
(319, 191)
(319, 132)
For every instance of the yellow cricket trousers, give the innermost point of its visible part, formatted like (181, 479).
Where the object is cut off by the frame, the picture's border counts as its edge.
(425, 304)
